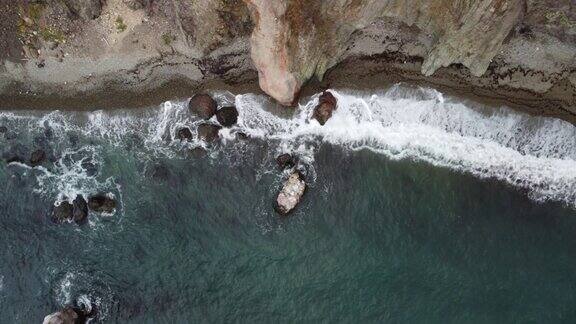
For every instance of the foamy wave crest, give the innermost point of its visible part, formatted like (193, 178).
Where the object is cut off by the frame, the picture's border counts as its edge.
(533, 153)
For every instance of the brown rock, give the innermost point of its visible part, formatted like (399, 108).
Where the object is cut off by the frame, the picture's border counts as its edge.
(290, 194)
(208, 132)
(285, 161)
(37, 157)
(203, 106)
(227, 116)
(326, 105)
(184, 133)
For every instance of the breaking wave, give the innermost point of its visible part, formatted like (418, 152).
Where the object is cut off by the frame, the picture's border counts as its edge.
(537, 154)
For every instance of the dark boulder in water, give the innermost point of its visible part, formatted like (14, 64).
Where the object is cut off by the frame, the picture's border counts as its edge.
(285, 161)
(326, 105)
(102, 203)
(208, 132)
(37, 157)
(63, 212)
(80, 210)
(184, 134)
(291, 193)
(3, 129)
(203, 106)
(227, 116)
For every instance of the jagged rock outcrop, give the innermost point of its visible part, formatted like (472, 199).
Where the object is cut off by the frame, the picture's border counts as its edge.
(141, 52)
(296, 39)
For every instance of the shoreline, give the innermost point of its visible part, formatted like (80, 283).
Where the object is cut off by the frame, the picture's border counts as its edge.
(356, 73)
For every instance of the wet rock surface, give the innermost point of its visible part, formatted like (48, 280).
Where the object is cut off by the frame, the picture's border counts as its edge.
(80, 210)
(227, 116)
(102, 203)
(291, 193)
(203, 106)
(184, 134)
(286, 161)
(63, 212)
(37, 157)
(326, 106)
(208, 132)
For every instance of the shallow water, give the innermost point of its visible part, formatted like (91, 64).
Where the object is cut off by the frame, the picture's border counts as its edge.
(420, 208)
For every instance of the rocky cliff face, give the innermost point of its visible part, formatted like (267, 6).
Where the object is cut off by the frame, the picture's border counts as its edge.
(72, 48)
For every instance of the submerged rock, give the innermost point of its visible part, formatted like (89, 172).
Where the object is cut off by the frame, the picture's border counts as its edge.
(285, 161)
(208, 132)
(63, 212)
(79, 210)
(184, 134)
(291, 193)
(227, 116)
(326, 105)
(37, 157)
(102, 203)
(203, 106)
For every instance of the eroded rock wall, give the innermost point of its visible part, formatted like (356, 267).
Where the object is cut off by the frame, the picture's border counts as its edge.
(296, 39)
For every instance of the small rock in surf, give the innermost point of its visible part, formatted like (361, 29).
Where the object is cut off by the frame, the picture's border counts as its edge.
(291, 193)
(208, 132)
(102, 203)
(184, 134)
(79, 210)
(285, 161)
(63, 212)
(326, 105)
(227, 116)
(203, 106)
(37, 157)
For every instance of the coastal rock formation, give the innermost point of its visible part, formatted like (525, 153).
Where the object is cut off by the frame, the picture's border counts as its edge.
(326, 105)
(227, 116)
(135, 52)
(102, 203)
(37, 157)
(296, 39)
(291, 193)
(63, 212)
(203, 106)
(80, 210)
(208, 132)
(285, 161)
(184, 134)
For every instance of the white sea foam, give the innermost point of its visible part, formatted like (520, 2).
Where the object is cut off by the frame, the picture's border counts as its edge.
(534, 153)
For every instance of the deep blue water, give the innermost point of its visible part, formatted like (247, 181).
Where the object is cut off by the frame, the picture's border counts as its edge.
(397, 225)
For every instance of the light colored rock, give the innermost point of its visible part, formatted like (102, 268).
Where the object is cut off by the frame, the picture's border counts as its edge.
(66, 316)
(291, 193)
(296, 39)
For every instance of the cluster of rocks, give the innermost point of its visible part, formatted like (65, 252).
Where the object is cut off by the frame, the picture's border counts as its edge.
(293, 187)
(205, 107)
(77, 211)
